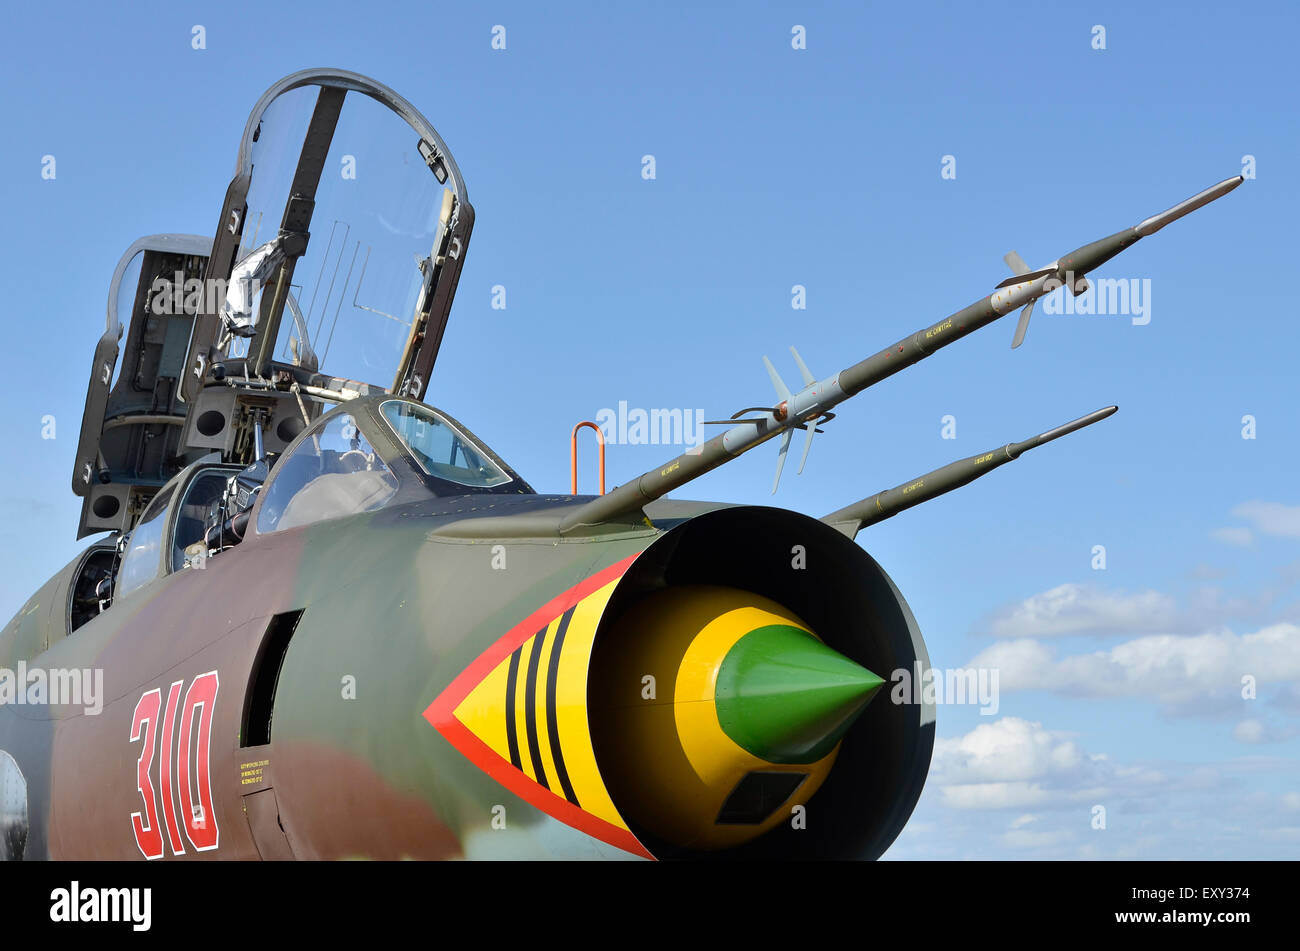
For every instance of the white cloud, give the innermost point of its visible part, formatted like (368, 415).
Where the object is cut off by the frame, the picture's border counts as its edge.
(1014, 764)
(995, 796)
(1248, 731)
(1008, 749)
(1253, 730)
(1236, 535)
(1082, 609)
(1187, 673)
(1016, 789)
(1265, 518)
(1271, 518)
(1085, 610)
(1206, 572)
(1039, 839)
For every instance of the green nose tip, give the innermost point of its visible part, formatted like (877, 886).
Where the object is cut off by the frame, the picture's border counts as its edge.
(786, 697)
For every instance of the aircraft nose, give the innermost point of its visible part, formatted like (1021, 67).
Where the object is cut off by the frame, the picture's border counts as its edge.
(717, 713)
(784, 696)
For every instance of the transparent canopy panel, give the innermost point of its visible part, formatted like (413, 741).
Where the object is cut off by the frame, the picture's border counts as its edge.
(122, 306)
(356, 176)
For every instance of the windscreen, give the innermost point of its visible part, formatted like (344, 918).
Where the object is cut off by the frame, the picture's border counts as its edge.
(332, 473)
(439, 449)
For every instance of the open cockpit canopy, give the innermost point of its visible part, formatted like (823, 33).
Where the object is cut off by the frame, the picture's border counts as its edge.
(342, 234)
(131, 427)
(331, 275)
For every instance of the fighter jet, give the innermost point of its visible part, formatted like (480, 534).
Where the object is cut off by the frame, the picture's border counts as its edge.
(322, 619)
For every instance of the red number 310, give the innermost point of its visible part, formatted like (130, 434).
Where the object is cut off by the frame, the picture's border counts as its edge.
(191, 768)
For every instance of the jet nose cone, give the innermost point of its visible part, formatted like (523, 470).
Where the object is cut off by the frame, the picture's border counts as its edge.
(786, 697)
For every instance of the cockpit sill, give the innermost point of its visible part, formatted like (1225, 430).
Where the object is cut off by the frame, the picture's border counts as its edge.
(539, 518)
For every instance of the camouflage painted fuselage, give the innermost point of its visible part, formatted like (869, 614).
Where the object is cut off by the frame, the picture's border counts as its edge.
(396, 605)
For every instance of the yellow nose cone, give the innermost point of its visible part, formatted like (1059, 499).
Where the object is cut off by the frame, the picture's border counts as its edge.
(717, 713)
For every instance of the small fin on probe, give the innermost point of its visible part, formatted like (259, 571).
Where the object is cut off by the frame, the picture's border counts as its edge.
(780, 457)
(1022, 272)
(778, 384)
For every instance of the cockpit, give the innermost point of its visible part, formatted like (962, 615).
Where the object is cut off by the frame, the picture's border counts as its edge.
(334, 472)
(368, 454)
(269, 376)
(374, 451)
(331, 276)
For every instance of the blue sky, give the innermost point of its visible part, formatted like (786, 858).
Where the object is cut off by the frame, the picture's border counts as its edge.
(819, 167)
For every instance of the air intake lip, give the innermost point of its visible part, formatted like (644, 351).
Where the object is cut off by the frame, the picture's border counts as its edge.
(851, 605)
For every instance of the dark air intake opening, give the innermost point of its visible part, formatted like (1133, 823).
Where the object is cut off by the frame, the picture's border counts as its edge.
(259, 704)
